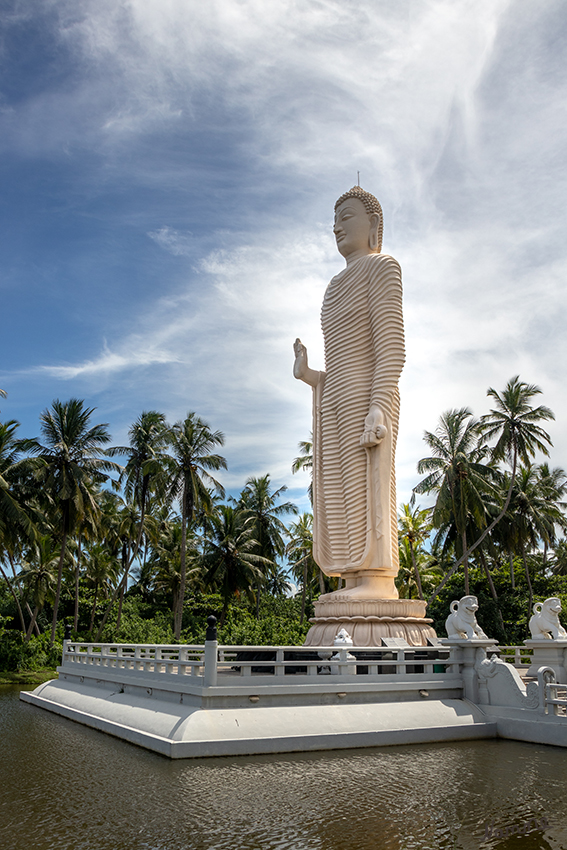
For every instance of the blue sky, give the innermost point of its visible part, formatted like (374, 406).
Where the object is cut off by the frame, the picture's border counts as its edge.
(168, 173)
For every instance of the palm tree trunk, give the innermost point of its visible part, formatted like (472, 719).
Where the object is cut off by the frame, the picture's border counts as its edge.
(223, 613)
(465, 562)
(35, 625)
(93, 609)
(182, 566)
(416, 571)
(488, 575)
(321, 580)
(32, 624)
(16, 600)
(528, 579)
(493, 591)
(77, 574)
(303, 593)
(512, 576)
(126, 564)
(59, 577)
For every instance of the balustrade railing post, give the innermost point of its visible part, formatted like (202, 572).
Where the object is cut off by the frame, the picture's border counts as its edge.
(210, 659)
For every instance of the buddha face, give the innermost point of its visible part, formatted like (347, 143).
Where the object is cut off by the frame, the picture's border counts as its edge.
(352, 229)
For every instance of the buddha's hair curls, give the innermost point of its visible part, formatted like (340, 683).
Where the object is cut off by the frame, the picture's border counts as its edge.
(371, 205)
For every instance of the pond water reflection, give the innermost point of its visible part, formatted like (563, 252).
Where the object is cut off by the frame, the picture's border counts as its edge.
(68, 787)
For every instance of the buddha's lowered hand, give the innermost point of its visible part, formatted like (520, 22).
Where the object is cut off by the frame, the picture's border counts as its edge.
(374, 428)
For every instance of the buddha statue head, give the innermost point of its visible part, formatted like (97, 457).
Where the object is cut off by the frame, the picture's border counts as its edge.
(358, 224)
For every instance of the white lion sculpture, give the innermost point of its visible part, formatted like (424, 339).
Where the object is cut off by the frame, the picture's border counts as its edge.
(545, 625)
(461, 623)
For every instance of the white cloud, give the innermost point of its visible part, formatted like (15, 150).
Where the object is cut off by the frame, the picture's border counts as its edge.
(131, 355)
(451, 109)
(173, 241)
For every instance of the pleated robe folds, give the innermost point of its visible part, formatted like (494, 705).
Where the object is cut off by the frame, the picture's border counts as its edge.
(354, 488)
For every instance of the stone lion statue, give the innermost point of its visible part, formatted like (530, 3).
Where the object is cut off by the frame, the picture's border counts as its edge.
(545, 625)
(461, 623)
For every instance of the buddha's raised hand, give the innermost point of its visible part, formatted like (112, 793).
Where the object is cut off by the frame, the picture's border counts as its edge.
(301, 368)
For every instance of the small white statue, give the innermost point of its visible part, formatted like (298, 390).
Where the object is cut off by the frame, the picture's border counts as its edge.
(545, 625)
(342, 639)
(461, 623)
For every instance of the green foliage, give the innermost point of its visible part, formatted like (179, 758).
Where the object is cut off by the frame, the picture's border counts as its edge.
(278, 625)
(511, 602)
(279, 622)
(37, 654)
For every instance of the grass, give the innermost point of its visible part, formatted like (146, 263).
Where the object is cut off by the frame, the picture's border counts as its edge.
(37, 677)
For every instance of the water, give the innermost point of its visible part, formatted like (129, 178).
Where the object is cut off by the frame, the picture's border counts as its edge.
(67, 787)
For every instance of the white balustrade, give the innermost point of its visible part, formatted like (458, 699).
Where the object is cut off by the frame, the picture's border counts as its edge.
(277, 662)
(518, 656)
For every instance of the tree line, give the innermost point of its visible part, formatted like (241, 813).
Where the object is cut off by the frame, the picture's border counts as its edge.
(75, 524)
(99, 543)
(497, 515)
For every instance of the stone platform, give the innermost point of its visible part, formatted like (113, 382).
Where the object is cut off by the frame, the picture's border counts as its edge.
(369, 620)
(197, 701)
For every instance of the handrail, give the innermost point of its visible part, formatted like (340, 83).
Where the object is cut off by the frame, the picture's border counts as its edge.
(519, 656)
(209, 661)
(546, 686)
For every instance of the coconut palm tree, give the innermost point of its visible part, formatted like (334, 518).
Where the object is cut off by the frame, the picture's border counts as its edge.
(305, 462)
(414, 527)
(192, 443)
(100, 574)
(532, 516)
(260, 504)
(38, 575)
(278, 583)
(513, 423)
(73, 456)
(144, 476)
(412, 564)
(457, 474)
(559, 560)
(299, 551)
(19, 517)
(231, 562)
(552, 484)
(147, 463)
(15, 514)
(163, 567)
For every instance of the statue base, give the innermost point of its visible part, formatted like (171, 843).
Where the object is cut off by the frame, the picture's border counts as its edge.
(369, 620)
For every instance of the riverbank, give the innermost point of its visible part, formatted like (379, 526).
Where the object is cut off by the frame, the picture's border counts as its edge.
(37, 677)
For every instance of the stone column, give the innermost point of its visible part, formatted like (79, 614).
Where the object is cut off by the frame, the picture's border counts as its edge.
(549, 653)
(464, 653)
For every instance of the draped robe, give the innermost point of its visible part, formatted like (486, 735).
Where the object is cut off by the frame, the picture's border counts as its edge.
(354, 488)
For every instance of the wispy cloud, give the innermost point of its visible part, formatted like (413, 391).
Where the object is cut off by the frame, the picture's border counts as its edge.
(134, 354)
(222, 133)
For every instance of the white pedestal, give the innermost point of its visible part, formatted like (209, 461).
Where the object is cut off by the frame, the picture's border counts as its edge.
(548, 653)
